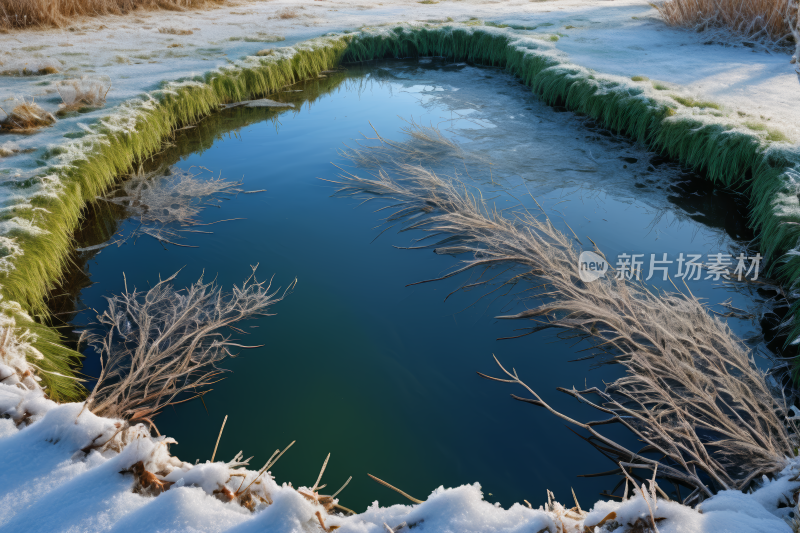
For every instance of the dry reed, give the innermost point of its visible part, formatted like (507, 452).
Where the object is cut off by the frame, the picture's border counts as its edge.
(26, 117)
(158, 346)
(692, 393)
(32, 13)
(773, 21)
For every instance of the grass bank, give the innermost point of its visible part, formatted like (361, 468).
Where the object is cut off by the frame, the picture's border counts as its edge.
(731, 156)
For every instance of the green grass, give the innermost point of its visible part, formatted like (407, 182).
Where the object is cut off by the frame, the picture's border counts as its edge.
(659, 86)
(691, 102)
(772, 134)
(640, 78)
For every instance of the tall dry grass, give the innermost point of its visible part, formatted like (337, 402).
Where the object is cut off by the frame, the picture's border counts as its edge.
(767, 20)
(31, 13)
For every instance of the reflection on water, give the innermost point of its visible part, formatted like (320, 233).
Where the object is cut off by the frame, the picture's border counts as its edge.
(357, 364)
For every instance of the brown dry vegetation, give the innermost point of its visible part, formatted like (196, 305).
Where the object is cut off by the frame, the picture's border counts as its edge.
(175, 31)
(771, 19)
(79, 95)
(287, 13)
(26, 117)
(31, 13)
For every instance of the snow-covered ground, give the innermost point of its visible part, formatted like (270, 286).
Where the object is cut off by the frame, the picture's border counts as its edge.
(623, 37)
(65, 469)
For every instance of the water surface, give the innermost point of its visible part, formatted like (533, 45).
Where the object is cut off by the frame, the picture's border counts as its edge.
(356, 363)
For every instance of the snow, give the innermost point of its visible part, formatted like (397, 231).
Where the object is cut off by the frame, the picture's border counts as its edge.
(63, 469)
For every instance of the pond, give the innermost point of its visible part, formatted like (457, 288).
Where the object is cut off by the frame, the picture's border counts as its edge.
(355, 362)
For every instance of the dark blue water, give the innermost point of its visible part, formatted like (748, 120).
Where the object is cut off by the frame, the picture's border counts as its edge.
(355, 363)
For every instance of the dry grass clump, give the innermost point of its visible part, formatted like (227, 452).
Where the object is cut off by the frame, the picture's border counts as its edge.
(765, 20)
(287, 13)
(158, 346)
(692, 393)
(8, 149)
(260, 37)
(81, 95)
(26, 117)
(175, 31)
(29, 68)
(31, 13)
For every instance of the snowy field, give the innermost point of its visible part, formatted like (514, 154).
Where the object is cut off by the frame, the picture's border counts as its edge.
(134, 54)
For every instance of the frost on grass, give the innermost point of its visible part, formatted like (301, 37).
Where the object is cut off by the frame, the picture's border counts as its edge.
(167, 205)
(30, 67)
(25, 117)
(81, 95)
(159, 345)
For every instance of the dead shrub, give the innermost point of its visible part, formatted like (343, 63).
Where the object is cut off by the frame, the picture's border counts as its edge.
(287, 13)
(174, 31)
(80, 95)
(26, 117)
(29, 68)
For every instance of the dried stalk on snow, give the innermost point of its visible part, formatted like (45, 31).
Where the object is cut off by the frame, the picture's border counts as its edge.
(157, 346)
(692, 393)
